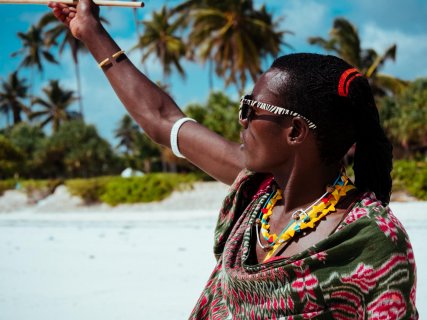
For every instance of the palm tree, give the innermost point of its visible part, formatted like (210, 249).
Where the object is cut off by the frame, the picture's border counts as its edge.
(127, 133)
(233, 36)
(404, 117)
(34, 51)
(160, 40)
(55, 108)
(60, 32)
(148, 152)
(345, 42)
(12, 92)
(140, 151)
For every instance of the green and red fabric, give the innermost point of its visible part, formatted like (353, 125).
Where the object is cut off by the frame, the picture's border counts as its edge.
(364, 270)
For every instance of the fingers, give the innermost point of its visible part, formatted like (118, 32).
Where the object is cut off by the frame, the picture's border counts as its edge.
(69, 18)
(63, 12)
(89, 7)
(59, 5)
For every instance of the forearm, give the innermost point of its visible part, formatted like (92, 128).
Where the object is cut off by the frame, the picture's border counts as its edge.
(151, 107)
(156, 112)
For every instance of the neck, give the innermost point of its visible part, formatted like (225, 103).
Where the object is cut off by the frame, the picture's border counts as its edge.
(303, 185)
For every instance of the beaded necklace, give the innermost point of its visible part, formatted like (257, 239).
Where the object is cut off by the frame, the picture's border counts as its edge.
(301, 218)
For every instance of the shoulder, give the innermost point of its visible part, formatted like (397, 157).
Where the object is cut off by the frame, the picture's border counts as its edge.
(376, 227)
(383, 233)
(385, 256)
(369, 210)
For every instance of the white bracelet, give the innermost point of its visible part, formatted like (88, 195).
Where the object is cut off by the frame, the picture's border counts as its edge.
(174, 135)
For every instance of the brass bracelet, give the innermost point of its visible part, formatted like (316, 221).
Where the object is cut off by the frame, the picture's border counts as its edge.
(114, 56)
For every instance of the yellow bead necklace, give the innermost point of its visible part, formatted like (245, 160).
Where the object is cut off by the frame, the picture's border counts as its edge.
(301, 219)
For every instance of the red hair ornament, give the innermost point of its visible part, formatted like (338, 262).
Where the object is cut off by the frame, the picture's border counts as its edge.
(345, 80)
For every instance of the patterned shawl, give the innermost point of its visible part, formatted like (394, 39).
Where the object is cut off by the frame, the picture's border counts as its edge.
(364, 270)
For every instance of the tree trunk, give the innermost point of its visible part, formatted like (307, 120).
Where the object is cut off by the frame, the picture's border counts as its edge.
(210, 75)
(16, 114)
(79, 88)
(32, 80)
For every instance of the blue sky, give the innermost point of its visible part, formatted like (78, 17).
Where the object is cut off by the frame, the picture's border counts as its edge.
(380, 24)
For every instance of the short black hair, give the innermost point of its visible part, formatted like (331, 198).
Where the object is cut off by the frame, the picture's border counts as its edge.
(311, 89)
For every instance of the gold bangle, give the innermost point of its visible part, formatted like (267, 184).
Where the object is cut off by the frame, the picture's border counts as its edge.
(114, 56)
(118, 54)
(104, 62)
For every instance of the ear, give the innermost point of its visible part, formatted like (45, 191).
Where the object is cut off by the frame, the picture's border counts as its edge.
(298, 132)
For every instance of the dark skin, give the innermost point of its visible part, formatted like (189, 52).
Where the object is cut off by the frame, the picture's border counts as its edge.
(288, 150)
(285, 148)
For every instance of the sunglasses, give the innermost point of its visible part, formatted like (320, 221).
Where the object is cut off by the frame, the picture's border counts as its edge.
(247, 110)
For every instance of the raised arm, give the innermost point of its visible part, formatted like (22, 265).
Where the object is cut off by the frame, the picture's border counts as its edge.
(151, 107)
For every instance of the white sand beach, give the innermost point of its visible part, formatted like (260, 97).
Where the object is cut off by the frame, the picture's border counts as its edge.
(61, 260)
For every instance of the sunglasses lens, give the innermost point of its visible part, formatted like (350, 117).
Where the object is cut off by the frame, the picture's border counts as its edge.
(244, 111)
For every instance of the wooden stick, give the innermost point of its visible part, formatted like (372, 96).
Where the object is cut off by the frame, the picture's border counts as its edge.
(108, 3)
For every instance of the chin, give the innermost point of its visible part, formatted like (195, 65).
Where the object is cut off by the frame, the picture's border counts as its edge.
(254, 167)
(250, 167)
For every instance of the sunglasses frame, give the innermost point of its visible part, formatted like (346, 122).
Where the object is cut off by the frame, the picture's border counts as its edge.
(245, 101)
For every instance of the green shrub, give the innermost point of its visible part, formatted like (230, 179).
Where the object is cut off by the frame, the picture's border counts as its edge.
(151, 187)
(7, 185)
(10, 158)
(90, 190)
(117, 190)
(410, 176)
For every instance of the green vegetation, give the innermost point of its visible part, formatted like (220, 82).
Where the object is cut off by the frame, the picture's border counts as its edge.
(90, 190)
(116, 190)
(13, 91)
(79, 151)
(10, 158)
(45, 140)
(55, 107)
(405, 118)
(160, 39)
(113, 190)
(75, 150)
(219, 113)
(7, 185)
(411, 176)
(233, 36)
(153, 187)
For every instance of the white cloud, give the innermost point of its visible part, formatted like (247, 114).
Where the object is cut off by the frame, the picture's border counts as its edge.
(305, 19)
(411, 50)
